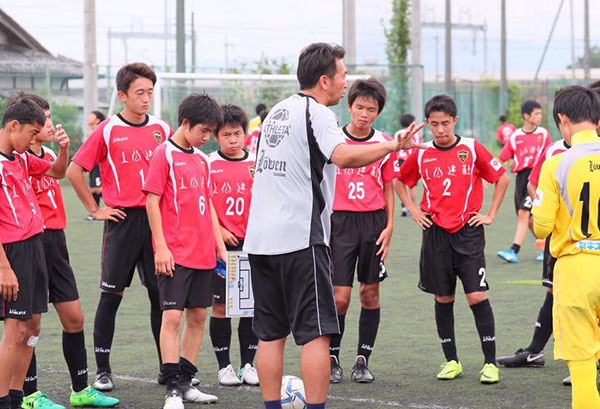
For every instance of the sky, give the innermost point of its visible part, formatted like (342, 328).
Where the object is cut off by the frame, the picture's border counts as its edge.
(232, 32)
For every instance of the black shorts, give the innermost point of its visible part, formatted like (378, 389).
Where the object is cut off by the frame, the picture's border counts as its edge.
(522, 199)
(548, 265)
(61, 280)
(94, 177)
(444, 256)
(26, 259)
(218, 282)
(353, 237)
(127, 244)
(188, 288)
(293, 291)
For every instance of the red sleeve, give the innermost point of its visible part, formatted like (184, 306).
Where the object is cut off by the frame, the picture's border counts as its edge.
(390, 168)
(499, 134)
(36, 167)
(487, 166)
(534, 176)
(409, 171)
(158, 171)
(93, 149)
(507, 152)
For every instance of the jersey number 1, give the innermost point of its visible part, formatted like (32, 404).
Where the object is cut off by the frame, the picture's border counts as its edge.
(584, 197)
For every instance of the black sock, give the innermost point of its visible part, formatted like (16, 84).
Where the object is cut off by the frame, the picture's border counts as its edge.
(220, 335)
(248, 341)
(187, 371)
(5, 402)
(543, 326)
(76, 358)
(171, 373)
(97, 197)
(155, 320)
(335, 340)
(16, 398)
(368, 324)
(515, 247)
(30, 384)
(484, 321)
(104, 329)
(444, 319)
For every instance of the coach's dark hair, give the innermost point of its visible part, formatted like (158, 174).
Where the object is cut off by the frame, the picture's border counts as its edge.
(441, 103)
(41, 102)
(99, 115)
(502, 118)
(579, 104)
(130, 72)
(595, 84)
(199, 109)
(233, 116)
(528, 107)
(406, 120)
(370, 88)
(315, 60)
(259, 108)
(24, 110)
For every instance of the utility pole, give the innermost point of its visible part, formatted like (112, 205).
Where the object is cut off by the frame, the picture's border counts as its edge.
(416, 78)
(166, 16)
(180, 35)
(572, 43)
(448, 75)
(503, 81)
(586, 40)
(350, 33)
(194, 45)
(90, 67)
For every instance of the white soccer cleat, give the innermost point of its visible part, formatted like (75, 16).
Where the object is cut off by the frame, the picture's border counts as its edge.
(173, 401)
(249, 375)
(194, 395)
(227, 377)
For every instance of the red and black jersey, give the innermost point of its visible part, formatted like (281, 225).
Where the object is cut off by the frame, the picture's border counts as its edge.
(554, 149)
(525, 147)
(49, 195)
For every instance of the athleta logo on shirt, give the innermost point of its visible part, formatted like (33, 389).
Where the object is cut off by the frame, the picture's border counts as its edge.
(276, 129)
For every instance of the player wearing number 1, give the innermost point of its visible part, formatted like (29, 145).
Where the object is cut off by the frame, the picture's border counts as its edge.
(567, 204)
(453, 237)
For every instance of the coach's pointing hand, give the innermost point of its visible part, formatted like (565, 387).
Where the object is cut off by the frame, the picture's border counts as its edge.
(405, 139)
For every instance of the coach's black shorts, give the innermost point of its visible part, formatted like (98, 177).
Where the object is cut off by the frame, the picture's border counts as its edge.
(548, 265)
(293, 291)
(522, 199)
(61, 280)
(444, 256)
(353, 237)
(218, 282)
(94, 178)
(127, 244)
(188, 288)
(26, 259)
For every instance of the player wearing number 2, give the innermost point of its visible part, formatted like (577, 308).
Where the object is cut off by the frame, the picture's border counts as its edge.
(453, 237)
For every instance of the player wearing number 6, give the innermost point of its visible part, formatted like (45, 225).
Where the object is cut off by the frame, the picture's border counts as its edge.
(452, 168)
(567, 204)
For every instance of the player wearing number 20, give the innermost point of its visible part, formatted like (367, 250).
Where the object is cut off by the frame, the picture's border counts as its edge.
(453, 237)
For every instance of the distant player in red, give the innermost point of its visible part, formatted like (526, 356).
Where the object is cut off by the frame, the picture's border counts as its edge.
(405, 121)
(453, 236)
(187, 239)
(23, 275)
(251, 140)
(504, 131)
(122, 146)
(362, 225)
(524, 146)
(231, 176)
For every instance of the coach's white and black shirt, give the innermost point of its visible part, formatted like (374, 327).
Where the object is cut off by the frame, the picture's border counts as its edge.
(293, 182)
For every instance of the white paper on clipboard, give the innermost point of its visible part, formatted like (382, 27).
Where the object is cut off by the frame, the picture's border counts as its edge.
(238, 289)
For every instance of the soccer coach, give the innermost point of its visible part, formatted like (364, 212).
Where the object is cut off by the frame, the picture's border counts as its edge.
(287, 237)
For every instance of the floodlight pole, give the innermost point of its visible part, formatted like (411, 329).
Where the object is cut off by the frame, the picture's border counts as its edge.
(180, 35)
(416, 77)
(503, 80)
(586, 40)
(448, 76)
(350, 33)
(90, 66)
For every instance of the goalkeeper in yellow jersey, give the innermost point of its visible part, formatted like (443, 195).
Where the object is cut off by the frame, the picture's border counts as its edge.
(567, 204)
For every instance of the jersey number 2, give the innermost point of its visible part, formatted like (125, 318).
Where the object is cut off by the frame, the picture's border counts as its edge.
(447, 183)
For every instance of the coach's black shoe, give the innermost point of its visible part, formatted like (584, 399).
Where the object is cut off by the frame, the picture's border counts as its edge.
(360, 372)
(104, 382)
(523, 357)
(336, 375)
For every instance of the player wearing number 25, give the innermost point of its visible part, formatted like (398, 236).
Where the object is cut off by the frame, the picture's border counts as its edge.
(452, 168)
(567, 204)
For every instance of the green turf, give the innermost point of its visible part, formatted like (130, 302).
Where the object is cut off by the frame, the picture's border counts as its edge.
(407, 353)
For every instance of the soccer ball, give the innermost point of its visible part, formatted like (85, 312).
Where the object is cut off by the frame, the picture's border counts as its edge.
(292, 393)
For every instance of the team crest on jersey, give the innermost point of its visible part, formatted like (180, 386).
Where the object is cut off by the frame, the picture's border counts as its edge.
(463, 155)
(251, 170)
(158, 136)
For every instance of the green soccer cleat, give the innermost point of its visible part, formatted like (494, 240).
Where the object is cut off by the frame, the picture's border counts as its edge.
(90, 397)
(39, 400)
(490, 374)
(450, 370)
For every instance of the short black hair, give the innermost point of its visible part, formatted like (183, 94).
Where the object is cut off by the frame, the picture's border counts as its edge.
(41, 102)
(199, 109)
(502, 118)
(406, 120)
(24, 110)
(371, 88)
(579, 104)
(233, 116)
(595, 84)
(263, 114)
(131, 72)
(99, 115)
(529, 106)
(441, 103)
(315, 60)
(259, 108)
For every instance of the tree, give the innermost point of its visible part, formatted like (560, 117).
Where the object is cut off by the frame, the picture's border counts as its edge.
(594, 59)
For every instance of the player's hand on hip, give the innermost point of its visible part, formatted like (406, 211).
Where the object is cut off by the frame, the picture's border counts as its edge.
(383, 241)
(9, 285)
(61, 138)
(109, 213)
(421, 218)
(405, 140)
(478, 219)
(164, 264)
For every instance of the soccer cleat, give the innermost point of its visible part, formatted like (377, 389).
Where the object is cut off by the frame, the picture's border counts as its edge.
(174, 400)
(360, 371)
(450, 370)
(104, 382)
(248, 375)
(195, 382)
(404, 211)
(509, 256)
(227, 377)
(90, 397)
(194, 395)
(540, 257)
(39, 400)
(540, 244)
(567, 381)
(523, 357)
(161, 378)
(336, 375)
(89, 218)
(489, 374)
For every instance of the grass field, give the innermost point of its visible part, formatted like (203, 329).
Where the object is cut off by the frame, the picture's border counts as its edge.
(407, 353)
